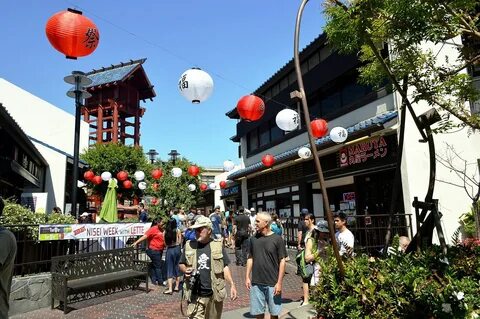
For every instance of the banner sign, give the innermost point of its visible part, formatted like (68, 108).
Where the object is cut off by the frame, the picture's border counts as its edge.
(91, 231)
(372, 149)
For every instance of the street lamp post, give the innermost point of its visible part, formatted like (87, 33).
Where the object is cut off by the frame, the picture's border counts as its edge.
(301, 95)
(173, 155)
(78, 79)
(152, 155)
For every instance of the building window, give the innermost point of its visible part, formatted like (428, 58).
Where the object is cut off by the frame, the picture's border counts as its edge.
(331, 103)
(275, 132)
(353, 92)
(313, 60)
(284, 83)
(252, 142)
(264, 136)
(325, 52)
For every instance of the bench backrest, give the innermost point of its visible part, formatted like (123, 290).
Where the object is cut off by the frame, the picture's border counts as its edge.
(96, 263)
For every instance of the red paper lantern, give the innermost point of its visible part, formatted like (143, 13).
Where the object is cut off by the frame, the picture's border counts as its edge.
(97, 180)
(203, 187)
(319, 128)
(268, 160)
(223, 184)
(154, 201)
(193, 170)
(250, 108)
(88, 175)
(155, 186)
(72, 33)
(127, 184)
(157, 173)
(122, 175)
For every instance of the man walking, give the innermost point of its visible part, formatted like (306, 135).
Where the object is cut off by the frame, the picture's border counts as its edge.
(216, 223)
(205, 264)
(344, 236)
(8, 250)
(241, 226)
(266, 266)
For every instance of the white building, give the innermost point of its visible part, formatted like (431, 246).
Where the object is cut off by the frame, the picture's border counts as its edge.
(51, 130)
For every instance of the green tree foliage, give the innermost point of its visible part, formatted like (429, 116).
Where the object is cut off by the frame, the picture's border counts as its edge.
(364, 26)
(173, 191)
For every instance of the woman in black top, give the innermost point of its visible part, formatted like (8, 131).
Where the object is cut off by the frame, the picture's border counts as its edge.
(173, 238)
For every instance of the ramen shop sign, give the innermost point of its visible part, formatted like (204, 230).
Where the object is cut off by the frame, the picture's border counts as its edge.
(362, 152)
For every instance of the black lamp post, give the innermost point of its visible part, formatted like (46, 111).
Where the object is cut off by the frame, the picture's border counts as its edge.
(173, 155)
(78, 79)
(152, 155)
(303, 98)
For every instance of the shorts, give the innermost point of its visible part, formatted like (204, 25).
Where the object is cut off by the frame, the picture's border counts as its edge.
(260, 296)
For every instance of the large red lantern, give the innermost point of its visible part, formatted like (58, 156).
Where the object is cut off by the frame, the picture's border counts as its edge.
(122, 175)
(157, 173)
(193, 170)
(268, 160)
(127, 184)
(223, 184)
(72, 33)
(97, 180)
(250, 108)
(319, 128)
(88, 175)
(203, 187)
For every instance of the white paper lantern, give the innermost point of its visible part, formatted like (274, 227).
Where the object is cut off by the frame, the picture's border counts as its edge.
(304, 152)
(176, 172)
(106, 176)
(212, 186)
(228, 166)
(338, 134)
(287, 120)
(142, 185)
(139, 175)
(195, 85)
(192, 187)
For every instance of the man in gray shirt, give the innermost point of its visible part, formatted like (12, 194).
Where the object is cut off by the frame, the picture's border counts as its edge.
(8, 250)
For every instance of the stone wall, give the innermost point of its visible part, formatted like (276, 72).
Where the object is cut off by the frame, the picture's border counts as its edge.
(30, 293)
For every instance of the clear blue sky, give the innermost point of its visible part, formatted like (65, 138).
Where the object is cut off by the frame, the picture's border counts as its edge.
(239, 43)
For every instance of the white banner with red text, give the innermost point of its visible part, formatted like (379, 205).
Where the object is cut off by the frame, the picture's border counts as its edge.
(91, 231)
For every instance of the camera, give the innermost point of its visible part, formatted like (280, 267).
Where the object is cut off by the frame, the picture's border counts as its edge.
(194, 281)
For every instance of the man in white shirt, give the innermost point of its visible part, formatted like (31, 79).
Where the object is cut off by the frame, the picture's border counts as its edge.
(343, 236)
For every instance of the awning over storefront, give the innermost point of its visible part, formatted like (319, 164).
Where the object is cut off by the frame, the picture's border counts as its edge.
(367, 126)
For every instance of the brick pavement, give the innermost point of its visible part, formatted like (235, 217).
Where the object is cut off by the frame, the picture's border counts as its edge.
(138, 304)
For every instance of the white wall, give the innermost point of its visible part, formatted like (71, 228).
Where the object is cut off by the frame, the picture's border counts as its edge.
(453, 200)
(48, 124)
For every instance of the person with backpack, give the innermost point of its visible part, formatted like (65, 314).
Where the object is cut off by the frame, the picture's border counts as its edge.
(205, 264)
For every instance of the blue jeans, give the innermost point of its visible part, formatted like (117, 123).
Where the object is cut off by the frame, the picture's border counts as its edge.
(155, 268)
(172, 259)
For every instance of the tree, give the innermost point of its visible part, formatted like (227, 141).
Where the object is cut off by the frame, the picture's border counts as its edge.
(406, 26)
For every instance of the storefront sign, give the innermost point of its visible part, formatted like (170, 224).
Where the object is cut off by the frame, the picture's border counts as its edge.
(90, 231)
(372, 149)
(231, 190)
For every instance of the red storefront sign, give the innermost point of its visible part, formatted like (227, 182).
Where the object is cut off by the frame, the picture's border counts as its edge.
(362, 152)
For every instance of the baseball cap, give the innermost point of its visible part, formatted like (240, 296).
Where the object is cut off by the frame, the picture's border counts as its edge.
(322, 226)
(217, 207)
(84, 214)
(202, 221)
(304, 210)
(252, 209)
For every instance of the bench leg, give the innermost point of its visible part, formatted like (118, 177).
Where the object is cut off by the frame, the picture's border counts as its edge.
(146, 283)
(53, 302)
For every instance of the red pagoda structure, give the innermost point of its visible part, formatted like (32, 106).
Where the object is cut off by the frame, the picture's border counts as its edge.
(113, 111)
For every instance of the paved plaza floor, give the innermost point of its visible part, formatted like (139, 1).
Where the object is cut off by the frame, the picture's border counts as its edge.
(155, 304)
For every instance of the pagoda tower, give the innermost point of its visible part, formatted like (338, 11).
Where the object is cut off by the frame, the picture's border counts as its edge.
(113, 111)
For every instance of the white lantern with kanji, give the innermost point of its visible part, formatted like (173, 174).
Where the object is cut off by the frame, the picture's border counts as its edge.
(338, 134)
(192, 187)
(142, 185)
(304, 152)
(287, 120)
(195, 85)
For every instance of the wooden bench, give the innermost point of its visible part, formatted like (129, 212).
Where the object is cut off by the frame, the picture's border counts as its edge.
(84, 276)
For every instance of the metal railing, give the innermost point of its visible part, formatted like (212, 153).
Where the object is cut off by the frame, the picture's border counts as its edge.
(34, 256)
(369, 230)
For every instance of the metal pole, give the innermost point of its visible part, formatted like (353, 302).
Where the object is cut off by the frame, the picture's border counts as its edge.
(78, 94)
(313, 146)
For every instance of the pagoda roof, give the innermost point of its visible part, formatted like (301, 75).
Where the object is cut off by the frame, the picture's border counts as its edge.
(120, 73)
